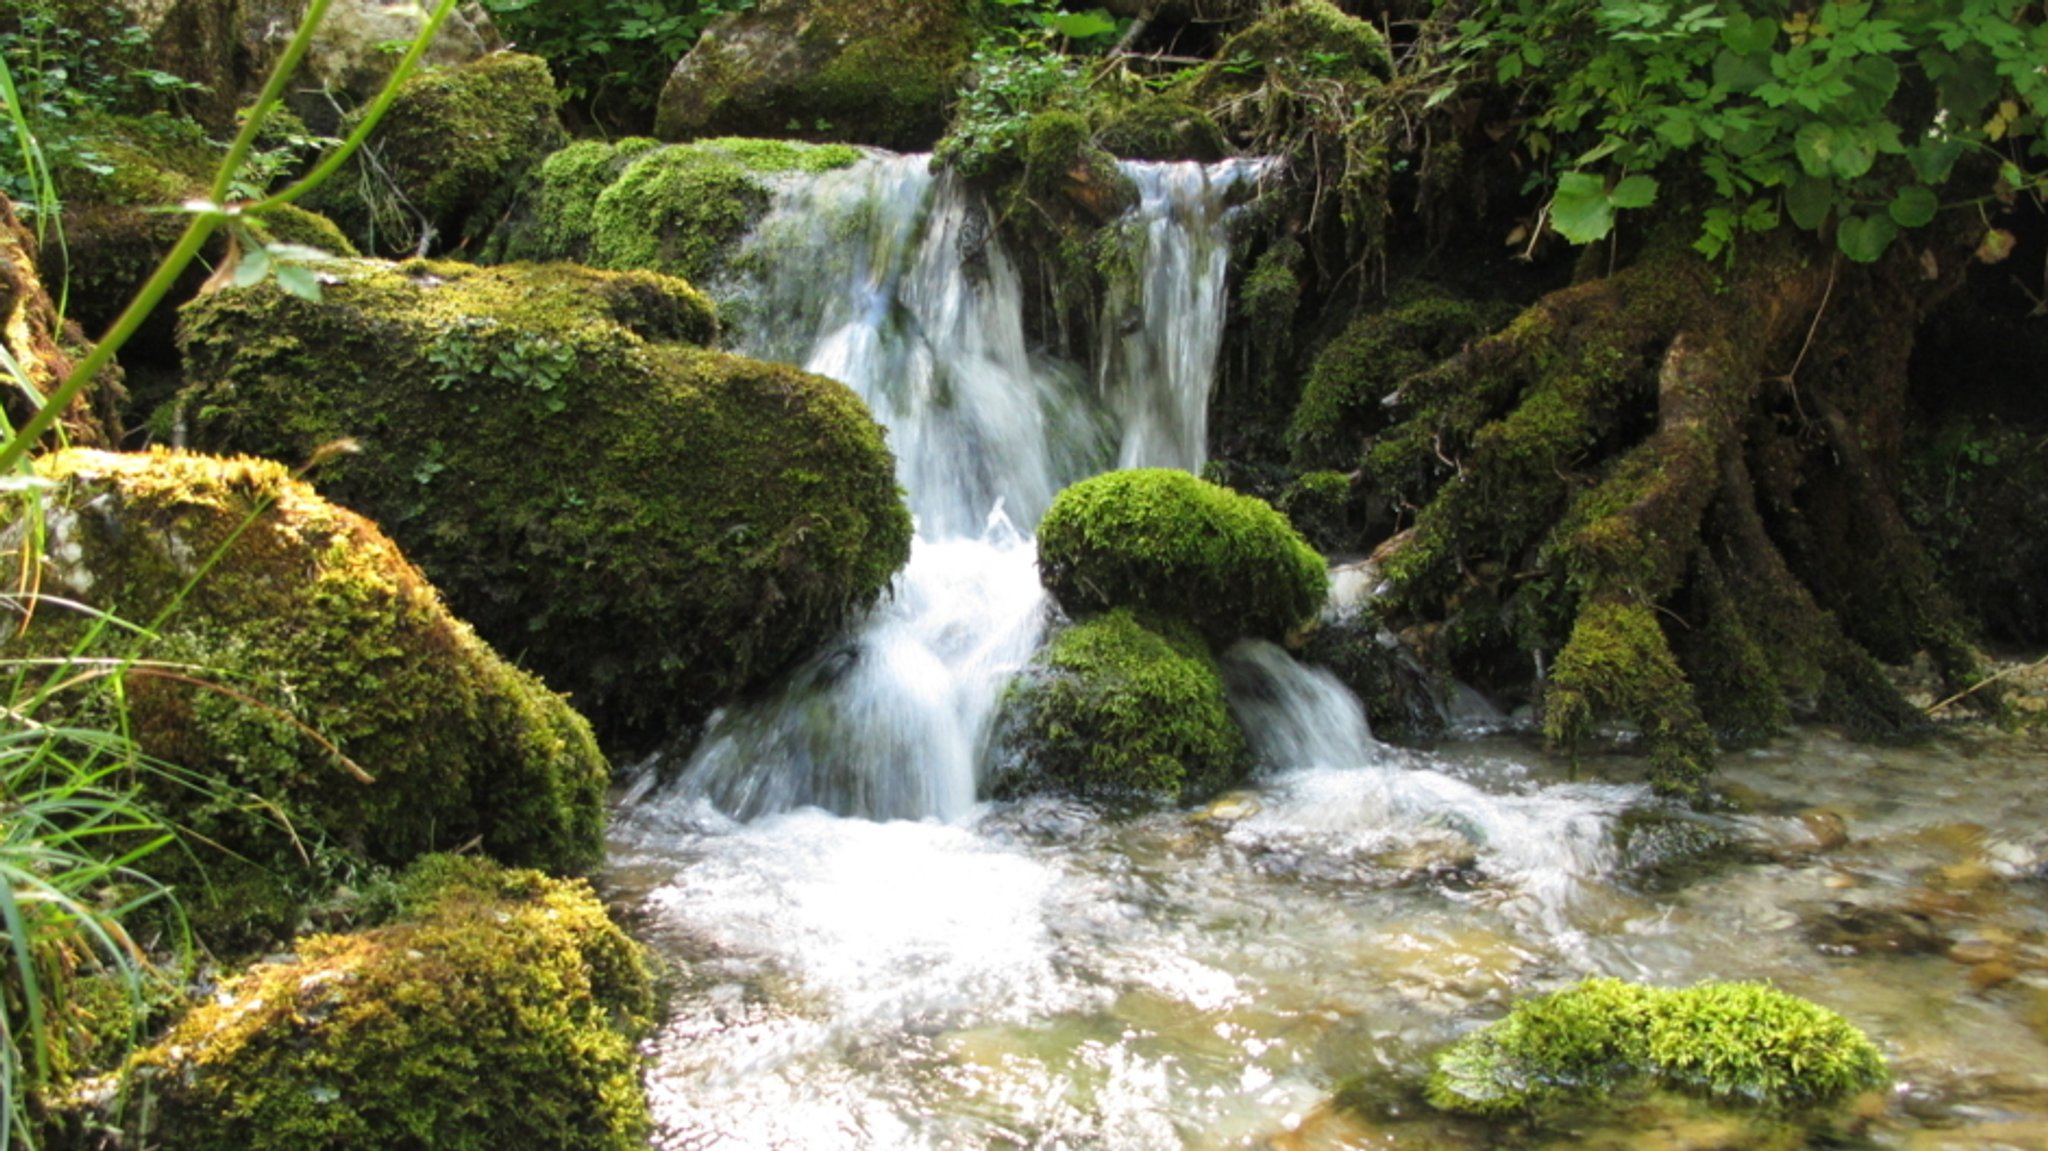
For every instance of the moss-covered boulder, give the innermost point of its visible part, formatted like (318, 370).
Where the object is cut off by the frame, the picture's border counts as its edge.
(849, 70)
(499, 1011)
(447, 157)
(653, 526)
(1117, 710)
(1171, 545)
(676, 209)
(1745, 1044)
(306, 680)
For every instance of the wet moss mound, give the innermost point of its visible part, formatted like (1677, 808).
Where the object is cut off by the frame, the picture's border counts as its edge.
(680, 210)
(448, 156)
(1168, 544)
(1738, 1043)
(1118, 710)
(651, 525)
(499, 1012)
(302, 617)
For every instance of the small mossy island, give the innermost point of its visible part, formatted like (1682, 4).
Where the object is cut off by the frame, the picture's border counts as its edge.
(305, 666)
(1176, 546)
(1740, 1044)
(499, 1010)
(651, 525)
(637, 204)
(1116, 710)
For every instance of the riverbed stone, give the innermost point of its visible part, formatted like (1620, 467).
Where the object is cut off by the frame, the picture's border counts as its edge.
(651, 525)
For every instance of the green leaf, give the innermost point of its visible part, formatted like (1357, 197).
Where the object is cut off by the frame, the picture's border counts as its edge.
(299, 281)
(1864, 238)
(1913, 206)
(1081, 25)
(1808, 199)
(1739, 73)
(1935, 159)
(252, 267)
(1634, 192)
(1580, 211)
(1815, 146)
(1749, 37)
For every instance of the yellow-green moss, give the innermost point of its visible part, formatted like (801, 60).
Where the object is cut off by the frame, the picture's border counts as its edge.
(1161, 128)
(1174, 546)
(652, 526)
(1618, 662)
(449, 153)
(1118, 710)
(1738, 1043)
(847, 70)
(499, 1014)
(309, 619)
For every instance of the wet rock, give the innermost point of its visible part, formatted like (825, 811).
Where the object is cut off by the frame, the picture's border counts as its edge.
(1666, 848)
(1848, 929)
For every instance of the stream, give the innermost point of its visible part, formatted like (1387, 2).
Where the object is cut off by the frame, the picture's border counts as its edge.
(872, 957)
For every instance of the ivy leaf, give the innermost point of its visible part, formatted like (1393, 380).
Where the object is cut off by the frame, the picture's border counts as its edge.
(1808, 199)
(1634, 192)
(1864, 238)
(1749, 37)
(1913, 206)
(1735, 72)
(1815, 146)
(1581, 211)
(1934, 160)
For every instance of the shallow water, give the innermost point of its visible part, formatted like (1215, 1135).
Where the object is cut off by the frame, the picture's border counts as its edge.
(1035, 975)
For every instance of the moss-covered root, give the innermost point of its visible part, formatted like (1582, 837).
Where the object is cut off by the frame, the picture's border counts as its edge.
(448, 156)
(1169, 544)
(1741, 1044)
(277, 615)
(499, 1013)
(1119, 711)
(1618, 662)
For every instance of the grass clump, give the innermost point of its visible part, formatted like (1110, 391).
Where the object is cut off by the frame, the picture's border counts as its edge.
(1739, 1043)
(1169, 544)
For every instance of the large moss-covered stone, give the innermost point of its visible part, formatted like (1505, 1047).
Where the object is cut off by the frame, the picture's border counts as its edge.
(851, 70)
(1169, 544)
(497, 1012)
(1118, 710)
(43, 346)
(448, 156)
(677, 209)
(305, 666)
(651, 525)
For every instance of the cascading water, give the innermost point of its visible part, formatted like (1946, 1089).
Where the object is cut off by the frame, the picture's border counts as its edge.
(890, 280)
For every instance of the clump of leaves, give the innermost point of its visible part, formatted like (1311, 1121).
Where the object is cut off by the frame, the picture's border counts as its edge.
(610, 57)
(1855, 119)
(1030, 66)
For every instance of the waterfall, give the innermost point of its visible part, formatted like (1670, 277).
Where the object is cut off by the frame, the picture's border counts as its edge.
(891, 280)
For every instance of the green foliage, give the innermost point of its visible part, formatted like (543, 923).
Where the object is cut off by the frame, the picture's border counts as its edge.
(610, 57)
(1114, 709)
(1864, 118)
(1010, 85)
(499, 1011)
(1737, 1043)
(1177, 547)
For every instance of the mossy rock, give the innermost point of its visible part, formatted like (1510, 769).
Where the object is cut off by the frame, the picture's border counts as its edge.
(301, 617)
(676, 209)
(449, 155)
(499, 1012)
(1343, 399)
(1117, 710)
(1161, 128)
(652, 526)
(845, 70)
(1743, 1044)
(43, 346)
(1291, 45)
(1174, 546)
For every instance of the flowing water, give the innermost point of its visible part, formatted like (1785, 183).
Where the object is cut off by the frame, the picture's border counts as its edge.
(874, 959)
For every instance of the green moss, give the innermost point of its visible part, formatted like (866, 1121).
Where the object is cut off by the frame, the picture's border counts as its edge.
(1618, 662)
(1114, 709)
(1738, 1043)
(651, 526)
(554, 219)
(449, 153)
(500, 1014)
(1343, 399)
(846, 70)
(1174, 546)
(1161, 128)
(1322, 506)
(309, 621)
(682, 210)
